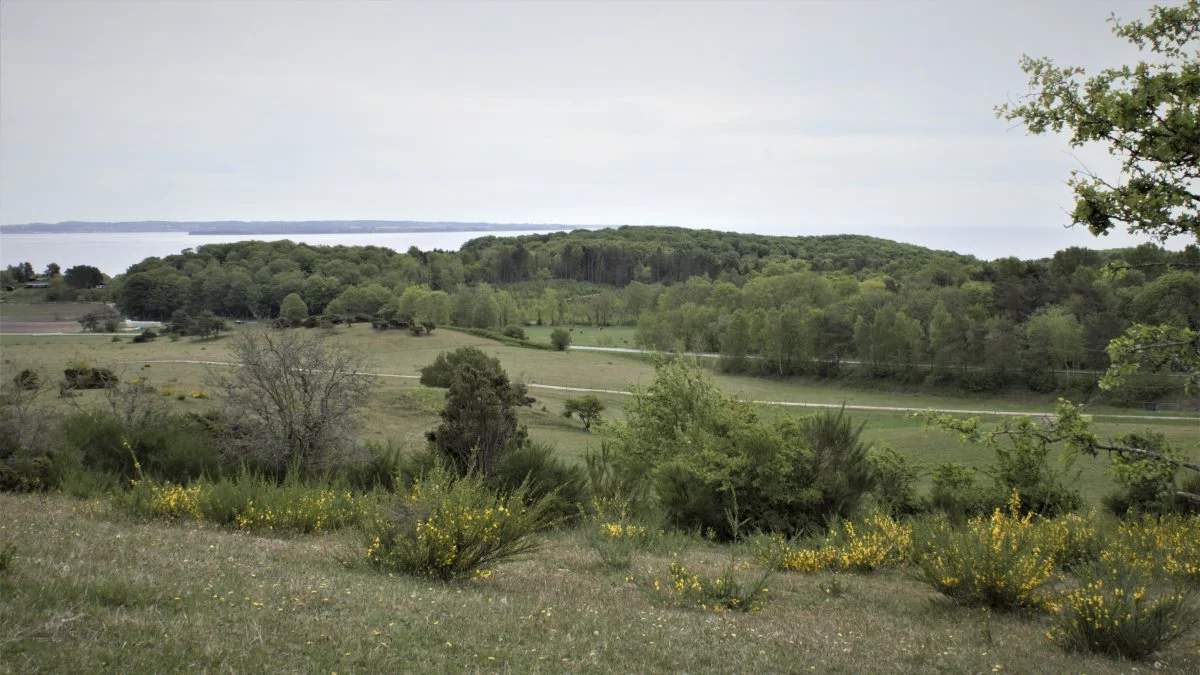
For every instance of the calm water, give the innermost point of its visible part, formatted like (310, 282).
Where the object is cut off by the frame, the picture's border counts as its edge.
(114, 253)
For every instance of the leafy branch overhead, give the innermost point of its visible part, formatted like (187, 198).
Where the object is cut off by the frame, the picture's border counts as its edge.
(1147, 114)
(1024, 436)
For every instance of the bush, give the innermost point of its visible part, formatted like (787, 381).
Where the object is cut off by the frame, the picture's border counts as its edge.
(1122, 613)
(548, 479)
(479, 421)
(440, 373)
(726, 591)
(1148, 484)
(452, 527)
(616, 542)
(515, 332)
(173, 448)
(1157, 544)
(873, 543)
(896, 477)
(708, 456)
(86, 377)
(956, 493)
(251, 503)
(28, 380)
(995, 562)
(560, 338)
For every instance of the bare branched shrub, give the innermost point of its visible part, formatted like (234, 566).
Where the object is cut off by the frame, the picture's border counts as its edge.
(294, 401)
(28, 430)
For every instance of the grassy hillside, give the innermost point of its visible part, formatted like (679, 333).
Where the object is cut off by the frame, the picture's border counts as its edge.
(90, 590)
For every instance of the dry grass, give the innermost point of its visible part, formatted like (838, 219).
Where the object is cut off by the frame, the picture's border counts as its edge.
(92, 592)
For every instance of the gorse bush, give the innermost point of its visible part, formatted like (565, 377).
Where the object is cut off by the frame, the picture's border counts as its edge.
(1169, 544)
(454, 527)
(996, 562)
(1074, 539)
(251, 503)
(875, 542)
(616, 542)
(1121, 612)
(730, 590)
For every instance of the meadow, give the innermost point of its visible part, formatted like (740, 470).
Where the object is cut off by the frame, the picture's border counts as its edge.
(402, 410)
(92, 587)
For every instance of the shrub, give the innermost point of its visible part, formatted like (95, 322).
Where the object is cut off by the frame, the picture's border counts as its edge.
(440, 373)
(170, 447)
(560, 338)
(515, 332)
(1073, 539)
(1121, 612)
(452, 527)
(1166, 544)
(547, 478)
(1148, 484)
(708, 455)
(873, 543)
(616, 542)
(28, 380)
(251, 503)
(86, 377)
(896, 477)
(956, 493)
(995, 562)
(726, 591)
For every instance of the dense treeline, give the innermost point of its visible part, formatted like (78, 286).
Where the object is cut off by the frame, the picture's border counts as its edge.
(771, 305)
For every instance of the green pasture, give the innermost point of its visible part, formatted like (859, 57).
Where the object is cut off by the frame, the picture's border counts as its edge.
(402, 410)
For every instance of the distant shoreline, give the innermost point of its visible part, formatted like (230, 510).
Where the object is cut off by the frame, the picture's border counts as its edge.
(227, 228)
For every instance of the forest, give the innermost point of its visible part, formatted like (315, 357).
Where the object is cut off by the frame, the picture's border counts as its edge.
(827, 306)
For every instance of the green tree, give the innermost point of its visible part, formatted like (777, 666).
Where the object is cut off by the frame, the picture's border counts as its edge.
(83, 276)
(1144, 113)
(587, 408)
(479, 420)
(560, 338)
(292, 310)
(433, 310)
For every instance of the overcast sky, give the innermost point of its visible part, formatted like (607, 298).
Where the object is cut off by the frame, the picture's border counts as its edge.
(782, 118)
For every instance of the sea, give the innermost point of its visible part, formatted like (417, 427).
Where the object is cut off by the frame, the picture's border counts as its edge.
(113, 253)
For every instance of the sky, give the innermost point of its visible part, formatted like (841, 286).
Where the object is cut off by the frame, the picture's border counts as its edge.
(794, 118)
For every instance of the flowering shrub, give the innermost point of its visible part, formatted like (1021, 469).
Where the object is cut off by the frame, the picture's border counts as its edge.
(999, 561)
(876, 542)
(616, 542)
(1072, 538)
(720, 593)
(452, 528)
(1168, 544)
(1119, 612)
(251, 504)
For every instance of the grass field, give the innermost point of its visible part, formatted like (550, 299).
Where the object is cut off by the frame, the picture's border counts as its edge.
(589, 336)
(91, 590)
(402, 410)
